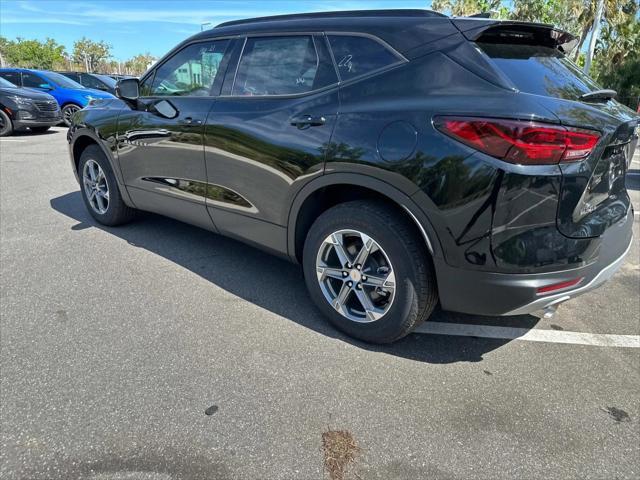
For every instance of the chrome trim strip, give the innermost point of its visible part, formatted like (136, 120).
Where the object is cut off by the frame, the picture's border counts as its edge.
(422, 230)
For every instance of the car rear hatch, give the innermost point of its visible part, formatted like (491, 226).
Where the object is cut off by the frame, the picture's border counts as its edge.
(532, 56)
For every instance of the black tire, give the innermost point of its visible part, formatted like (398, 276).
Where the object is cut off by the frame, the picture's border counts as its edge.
(67, 112)
(416, 292)
(117, 212)
(39, 129)
(6, 126)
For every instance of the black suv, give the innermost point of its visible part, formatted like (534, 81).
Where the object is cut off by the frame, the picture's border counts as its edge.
(405, 158)
(21, 108)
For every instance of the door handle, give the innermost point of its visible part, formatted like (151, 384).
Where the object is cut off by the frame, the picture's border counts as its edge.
(306, 121)
(190, 121)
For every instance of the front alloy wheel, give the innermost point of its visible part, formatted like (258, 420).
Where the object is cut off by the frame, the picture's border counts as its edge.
(96, 187)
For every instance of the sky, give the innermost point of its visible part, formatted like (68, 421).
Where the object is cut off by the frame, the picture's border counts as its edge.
(155, 26)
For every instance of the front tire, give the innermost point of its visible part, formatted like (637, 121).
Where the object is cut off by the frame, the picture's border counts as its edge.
(100, 191)
(369, 272)
(67, 112)
(6, 126)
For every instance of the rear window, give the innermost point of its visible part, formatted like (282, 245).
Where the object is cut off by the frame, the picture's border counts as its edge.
(281, 66)
(540, 70)
(357, 56)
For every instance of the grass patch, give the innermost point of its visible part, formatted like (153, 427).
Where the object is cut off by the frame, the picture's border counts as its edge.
(340, 450)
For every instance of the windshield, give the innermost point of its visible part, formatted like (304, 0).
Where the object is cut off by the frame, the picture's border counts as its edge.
(61, 80)
(106, 79)
(540, 70)
(6, 84)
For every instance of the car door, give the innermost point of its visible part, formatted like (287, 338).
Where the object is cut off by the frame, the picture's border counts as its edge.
(160, 147)
(267, 134)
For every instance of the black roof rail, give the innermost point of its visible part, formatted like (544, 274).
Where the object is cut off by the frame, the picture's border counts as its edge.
(338, 14)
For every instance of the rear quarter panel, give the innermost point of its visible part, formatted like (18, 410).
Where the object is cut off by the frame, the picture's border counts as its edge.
(462, 192)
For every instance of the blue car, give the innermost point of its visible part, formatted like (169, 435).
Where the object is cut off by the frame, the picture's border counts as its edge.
(71, 96)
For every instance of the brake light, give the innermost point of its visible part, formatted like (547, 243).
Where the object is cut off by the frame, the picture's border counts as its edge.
(521, 142)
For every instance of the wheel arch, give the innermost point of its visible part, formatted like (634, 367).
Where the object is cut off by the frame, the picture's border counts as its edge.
(70, 102)
(332, 189)
(84, 138)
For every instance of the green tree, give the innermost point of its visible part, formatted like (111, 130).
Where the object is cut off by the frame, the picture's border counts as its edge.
(617, 60)
(561, 13)
(23, 53)
(470, 7)
(139, 64)
(90, 54)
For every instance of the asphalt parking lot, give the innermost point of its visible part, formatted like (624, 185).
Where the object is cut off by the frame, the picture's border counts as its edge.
(114, 342)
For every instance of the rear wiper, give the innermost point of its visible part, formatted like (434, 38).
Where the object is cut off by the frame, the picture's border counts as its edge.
(604, 94)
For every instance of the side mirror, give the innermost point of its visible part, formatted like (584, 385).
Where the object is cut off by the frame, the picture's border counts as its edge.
(45, 86)
(128, 89)
(165, 109)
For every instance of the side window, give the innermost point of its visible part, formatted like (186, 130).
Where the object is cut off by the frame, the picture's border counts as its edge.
(92, 82)
(357, 56)
(73, 76)
(32, 81)
(190, 72)
(281, 66)
(13, 77)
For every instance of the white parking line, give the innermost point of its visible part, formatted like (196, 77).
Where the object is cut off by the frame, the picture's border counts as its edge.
(17, 140)
(530, 335)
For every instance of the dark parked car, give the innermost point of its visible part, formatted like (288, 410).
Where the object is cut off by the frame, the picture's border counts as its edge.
(403, 157)
(21, 108)
(93, 80)
(120, 77)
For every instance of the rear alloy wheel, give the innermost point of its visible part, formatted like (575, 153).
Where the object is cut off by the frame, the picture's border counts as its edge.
(362, 289)
(67, 113)
(6, 127)
(369, 271)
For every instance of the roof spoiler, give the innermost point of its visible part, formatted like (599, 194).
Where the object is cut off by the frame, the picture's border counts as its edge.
(523, 33)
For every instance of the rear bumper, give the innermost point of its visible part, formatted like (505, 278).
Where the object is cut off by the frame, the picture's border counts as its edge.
(483, 293)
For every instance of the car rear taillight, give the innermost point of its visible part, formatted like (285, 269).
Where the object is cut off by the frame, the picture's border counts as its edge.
(521, 142)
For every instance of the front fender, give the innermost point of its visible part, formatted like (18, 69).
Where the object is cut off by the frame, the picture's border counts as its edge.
(81, 134)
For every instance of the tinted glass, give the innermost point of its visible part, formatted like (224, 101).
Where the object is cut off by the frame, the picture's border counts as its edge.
(60, 80)
(32, 81)
(281, 66)
(106, 79)
(91, 82)
(13, 77)
(73, 76)
(359, 55)
(6, 83)
(189, 72)
(540, 70)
